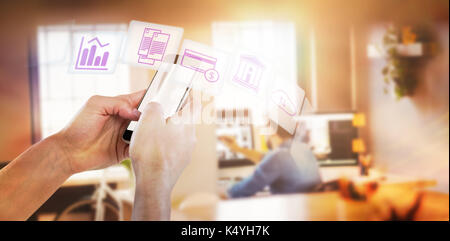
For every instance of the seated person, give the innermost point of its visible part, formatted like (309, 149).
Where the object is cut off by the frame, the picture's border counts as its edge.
(277, 169)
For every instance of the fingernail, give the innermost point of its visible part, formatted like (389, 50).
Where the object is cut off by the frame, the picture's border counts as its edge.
(136, 113)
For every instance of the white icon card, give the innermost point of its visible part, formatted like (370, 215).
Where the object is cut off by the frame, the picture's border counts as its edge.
(95, 50)
(209, 66)
(149, 44)
(284, 103)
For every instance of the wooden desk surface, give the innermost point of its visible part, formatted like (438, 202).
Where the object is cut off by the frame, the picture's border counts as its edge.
(316, 206)
(312, 207)
(393, 193)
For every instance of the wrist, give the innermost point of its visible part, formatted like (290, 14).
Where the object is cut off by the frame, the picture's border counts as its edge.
(152, 200)
(154, 188)
(153, 172)
(62, 153)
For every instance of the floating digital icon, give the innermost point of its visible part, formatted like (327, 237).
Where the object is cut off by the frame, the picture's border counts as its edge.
(285, 102)
(282, 100)
(249, 72)
(92, 55)
(153, 46)
(211, 75)
(149, 45)
(201, 63)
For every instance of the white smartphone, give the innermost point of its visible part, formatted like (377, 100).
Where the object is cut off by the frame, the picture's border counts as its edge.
(169, 87)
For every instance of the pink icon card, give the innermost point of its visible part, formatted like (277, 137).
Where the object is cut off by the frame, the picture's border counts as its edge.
(153, 46)
(249, 72)
(92, 55)
(201, 63)
(284, 102)
(209, 65)
(149, 44)
(95, 51)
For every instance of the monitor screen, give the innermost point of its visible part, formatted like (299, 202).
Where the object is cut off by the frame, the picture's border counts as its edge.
(330, 137)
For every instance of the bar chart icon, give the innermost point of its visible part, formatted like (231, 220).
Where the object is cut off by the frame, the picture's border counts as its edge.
(92, 55)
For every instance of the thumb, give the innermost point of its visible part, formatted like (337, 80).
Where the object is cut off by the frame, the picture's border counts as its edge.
(153, 114)
(150, 124)
(123, 105)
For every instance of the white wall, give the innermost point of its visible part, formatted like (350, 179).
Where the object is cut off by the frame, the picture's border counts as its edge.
(411, 136)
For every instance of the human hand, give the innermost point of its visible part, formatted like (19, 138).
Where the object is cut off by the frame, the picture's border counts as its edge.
(160, 149)
(93, 139)
(222, 192)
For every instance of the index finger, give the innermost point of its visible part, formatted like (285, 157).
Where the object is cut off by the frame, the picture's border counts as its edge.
(134, 98)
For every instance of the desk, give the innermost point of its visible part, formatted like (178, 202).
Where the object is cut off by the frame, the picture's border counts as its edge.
(312, 207)
(395, 191)
(317, 206)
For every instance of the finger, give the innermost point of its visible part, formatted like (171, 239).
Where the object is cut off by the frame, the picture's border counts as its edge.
(134, 98)
(149, 126)
(176, 124)
(131, 102)
(123, 106)
(120, 107)
(152, 118)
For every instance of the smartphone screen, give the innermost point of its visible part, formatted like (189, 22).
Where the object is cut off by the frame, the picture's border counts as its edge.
(169, 87)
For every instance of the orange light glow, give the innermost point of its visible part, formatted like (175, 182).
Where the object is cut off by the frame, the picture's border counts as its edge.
(359, 120)
(358, 145)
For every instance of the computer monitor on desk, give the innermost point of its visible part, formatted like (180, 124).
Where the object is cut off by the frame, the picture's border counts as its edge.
(331, 136)
(235, 124)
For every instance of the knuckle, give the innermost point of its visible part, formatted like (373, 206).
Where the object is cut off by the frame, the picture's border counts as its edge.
(153, 108)
(126, 99)
(93, 99)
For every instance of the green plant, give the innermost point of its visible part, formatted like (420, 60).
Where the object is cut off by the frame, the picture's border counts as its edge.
(400, 70)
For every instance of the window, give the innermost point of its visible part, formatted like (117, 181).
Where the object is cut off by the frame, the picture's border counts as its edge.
(62, 93)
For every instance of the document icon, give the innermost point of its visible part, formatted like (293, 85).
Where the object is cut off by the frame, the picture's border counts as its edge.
(153, 46)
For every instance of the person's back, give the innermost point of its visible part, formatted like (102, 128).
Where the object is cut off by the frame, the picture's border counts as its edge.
(282, 172)
(296, 174)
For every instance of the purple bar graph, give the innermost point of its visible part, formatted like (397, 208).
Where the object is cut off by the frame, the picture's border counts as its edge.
(91, 55)
(105, 58)
(97, 61)
(89, 60)
(84, 57)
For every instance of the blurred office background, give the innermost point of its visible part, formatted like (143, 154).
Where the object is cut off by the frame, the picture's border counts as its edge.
(324, 46)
